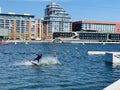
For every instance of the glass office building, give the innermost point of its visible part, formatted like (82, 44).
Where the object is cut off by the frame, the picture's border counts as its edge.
(19, 26)
(57, 19)
(100, 27)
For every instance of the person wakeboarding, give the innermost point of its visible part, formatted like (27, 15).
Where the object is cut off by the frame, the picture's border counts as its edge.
(39, 56)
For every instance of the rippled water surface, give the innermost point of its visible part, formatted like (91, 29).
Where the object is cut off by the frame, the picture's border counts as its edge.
(71, 69)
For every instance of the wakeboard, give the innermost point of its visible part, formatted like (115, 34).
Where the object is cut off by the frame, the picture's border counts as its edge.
(34, 63)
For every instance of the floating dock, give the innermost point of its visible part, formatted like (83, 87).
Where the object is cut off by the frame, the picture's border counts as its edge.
(112, 57)
(101, 52)
(114, 86)
(96, 52)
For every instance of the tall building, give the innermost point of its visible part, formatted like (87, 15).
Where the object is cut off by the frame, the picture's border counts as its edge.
(38, 29)
(96, 26)
(19, 26)
(56, 19)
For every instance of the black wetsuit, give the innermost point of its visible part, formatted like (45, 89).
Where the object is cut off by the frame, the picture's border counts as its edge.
(39, 56)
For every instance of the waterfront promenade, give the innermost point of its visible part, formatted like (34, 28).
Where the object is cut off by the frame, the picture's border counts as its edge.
(50, 41)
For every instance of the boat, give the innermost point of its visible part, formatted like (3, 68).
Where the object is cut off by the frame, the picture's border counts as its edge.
(57, 40)
(3, 43)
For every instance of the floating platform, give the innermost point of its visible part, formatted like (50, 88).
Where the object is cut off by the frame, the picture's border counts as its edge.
(100, 52)
(96, 52)
(114, 86)
(112, 57)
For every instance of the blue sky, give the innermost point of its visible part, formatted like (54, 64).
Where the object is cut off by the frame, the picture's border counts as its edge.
(96, 10)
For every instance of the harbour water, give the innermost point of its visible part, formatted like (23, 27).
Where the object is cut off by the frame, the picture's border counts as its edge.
(70, 69)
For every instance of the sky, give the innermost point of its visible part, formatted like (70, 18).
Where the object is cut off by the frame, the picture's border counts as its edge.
(95, 10)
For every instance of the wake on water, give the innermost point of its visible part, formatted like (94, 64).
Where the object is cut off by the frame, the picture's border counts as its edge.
(44, 61)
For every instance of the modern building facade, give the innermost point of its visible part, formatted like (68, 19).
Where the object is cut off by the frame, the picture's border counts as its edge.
(56, 19)
(87, 36)
(63, 34)
(20, 27)
(3, 34)
(95, 26)
(39, 34)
